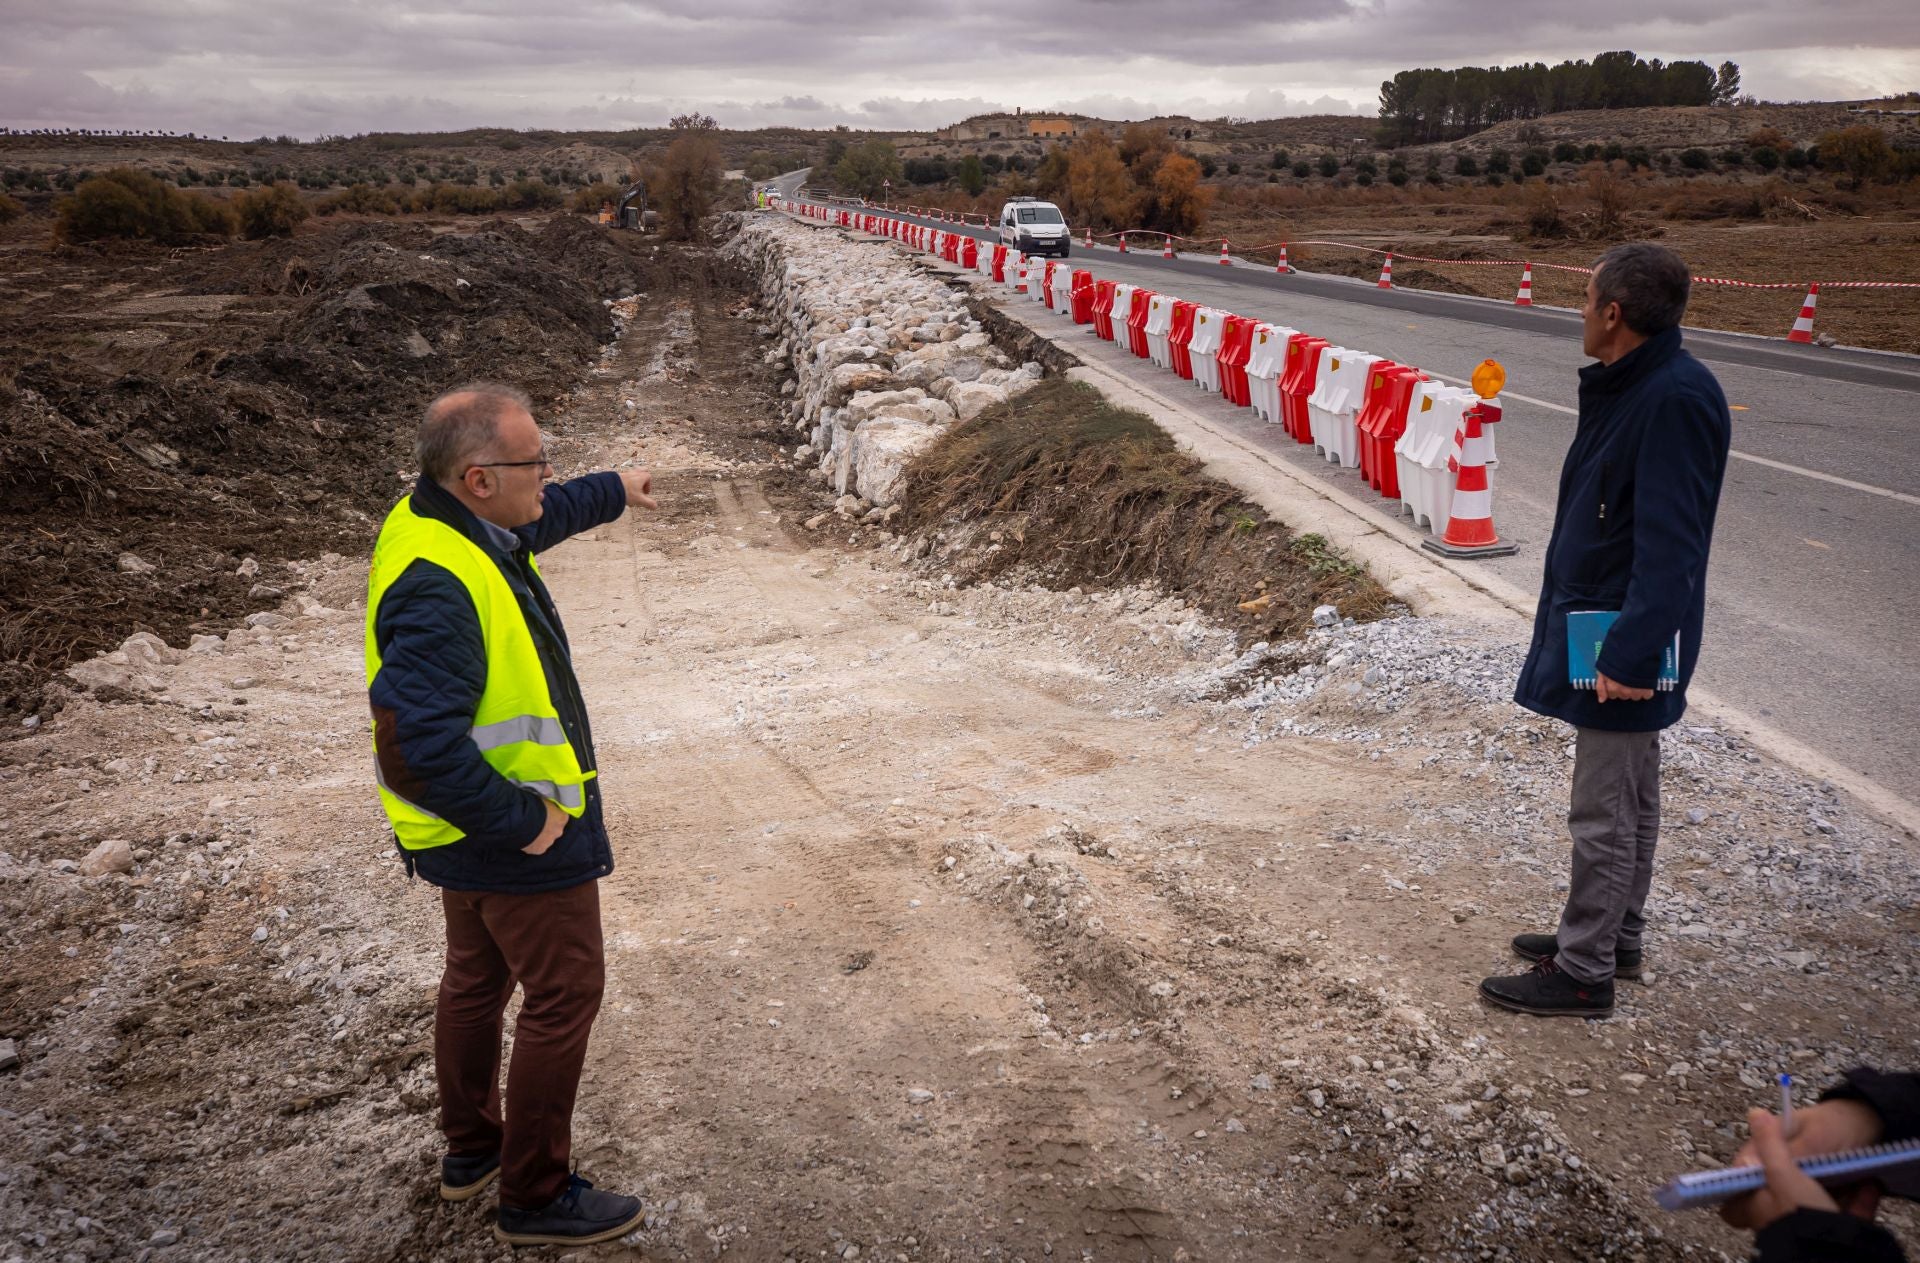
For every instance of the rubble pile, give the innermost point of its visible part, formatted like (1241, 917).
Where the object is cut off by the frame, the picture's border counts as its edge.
(883, 355)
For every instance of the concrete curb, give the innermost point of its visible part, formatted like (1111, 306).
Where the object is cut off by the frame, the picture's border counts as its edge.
(1390, 549)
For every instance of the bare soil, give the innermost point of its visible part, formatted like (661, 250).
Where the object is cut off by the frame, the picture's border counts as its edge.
(165, 416)
(950, 922)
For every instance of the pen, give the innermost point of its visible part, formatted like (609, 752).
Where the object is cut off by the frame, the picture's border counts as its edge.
(1786, 1106)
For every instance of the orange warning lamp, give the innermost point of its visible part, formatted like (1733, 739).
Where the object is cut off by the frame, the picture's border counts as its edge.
(1488, 379)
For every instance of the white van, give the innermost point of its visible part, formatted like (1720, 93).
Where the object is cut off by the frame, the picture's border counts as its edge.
(1032, 226)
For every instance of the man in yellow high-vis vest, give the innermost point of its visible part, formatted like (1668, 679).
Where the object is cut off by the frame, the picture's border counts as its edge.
(484, 763)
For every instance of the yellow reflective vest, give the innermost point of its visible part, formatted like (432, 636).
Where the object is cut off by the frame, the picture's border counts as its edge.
(516, 725)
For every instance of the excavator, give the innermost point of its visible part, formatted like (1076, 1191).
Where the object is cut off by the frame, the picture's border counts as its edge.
(633, 211)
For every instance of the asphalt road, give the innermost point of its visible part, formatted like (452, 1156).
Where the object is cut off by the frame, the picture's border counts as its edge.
(1814, 587)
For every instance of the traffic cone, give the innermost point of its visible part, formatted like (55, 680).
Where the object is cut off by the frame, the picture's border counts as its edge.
(1470, 530)
(1803, 327)
(1283, 266)
(1225, 262)
(1386, 272)
(1525, 296)
(1088, 243)
(1123, 243)
(1166, 251)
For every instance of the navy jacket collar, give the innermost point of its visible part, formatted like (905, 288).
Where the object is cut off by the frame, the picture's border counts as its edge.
(430, 499)
(1609, 379)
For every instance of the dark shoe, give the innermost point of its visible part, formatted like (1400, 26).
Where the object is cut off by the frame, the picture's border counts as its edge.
(580, 1216)
(1545, 991)
(1628, 962)
(464, 1174)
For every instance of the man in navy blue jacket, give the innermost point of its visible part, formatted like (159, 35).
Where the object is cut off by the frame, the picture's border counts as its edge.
(504, 818)
(1631, 533)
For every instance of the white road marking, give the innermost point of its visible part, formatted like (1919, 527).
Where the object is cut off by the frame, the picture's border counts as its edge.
(1782, 466)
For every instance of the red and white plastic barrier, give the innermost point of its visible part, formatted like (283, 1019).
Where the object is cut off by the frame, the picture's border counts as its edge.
(1203, 348)
(1335, 401)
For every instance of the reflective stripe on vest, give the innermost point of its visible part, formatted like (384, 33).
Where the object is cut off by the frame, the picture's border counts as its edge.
(516, 727)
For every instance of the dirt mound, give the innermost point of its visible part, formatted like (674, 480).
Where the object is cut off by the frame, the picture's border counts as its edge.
(260, 405)
(1062, 484)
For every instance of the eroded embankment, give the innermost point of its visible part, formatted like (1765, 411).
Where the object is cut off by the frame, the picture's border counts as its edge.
(993, 471)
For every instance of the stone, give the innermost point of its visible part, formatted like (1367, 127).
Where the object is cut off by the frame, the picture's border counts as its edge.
(1316, 1098)
(266, 618)
(111, 856)
(973, 398)
(1696, 815)
(129, 563)
(248, 568)
(204, 644)
(147, 648)
(918, 1096)
(264, 592)
(1235, 1126)
(882, 449)
(163, 1237)
(1262, 1083)
(242, 682)
(817, 521)
(9, 1054)
(1325, 616)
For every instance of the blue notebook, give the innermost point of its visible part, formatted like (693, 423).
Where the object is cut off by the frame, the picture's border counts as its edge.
(1587, 629)
(1896, 1166)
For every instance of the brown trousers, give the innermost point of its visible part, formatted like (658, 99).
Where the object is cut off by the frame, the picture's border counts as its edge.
(550, 944)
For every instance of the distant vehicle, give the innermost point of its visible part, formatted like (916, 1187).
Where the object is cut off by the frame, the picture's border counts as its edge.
(1032, 226)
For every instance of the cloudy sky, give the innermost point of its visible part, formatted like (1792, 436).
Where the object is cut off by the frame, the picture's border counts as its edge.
(263, 67)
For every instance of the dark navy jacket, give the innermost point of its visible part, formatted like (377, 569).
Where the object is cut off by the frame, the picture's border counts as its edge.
(1631, 532)
(433, 670)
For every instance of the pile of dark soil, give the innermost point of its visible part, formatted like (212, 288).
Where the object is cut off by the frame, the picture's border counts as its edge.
(274, 421)
(1060, 484)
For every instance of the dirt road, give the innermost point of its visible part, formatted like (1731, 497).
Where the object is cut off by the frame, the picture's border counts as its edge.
(983, 923)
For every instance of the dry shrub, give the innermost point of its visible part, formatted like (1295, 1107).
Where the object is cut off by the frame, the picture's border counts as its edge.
(11, 208)
(1541, 219)
(1084, 492)
(685, 184)
(363, 199)
(589, 199)
(133, 205)
(1610, 194)
(525, 195)
(275, 210)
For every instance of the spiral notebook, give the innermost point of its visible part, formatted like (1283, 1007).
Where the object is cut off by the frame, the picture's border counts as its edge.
(1587, 630)
(1897, 1166)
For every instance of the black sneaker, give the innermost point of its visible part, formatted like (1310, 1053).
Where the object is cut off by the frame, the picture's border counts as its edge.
(464, 1174)
(1545, 991)
(1628, 962)
(580, 1216)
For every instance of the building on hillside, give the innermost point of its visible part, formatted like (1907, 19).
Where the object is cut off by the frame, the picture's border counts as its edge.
(1015, 126)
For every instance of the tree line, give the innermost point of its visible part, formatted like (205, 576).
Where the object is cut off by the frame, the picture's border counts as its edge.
(1140, 180)
(1421, 106)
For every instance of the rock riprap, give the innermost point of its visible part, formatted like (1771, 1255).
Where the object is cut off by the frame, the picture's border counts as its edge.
(884, 355)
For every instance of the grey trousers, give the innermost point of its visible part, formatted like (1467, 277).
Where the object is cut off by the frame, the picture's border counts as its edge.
(1615, 822)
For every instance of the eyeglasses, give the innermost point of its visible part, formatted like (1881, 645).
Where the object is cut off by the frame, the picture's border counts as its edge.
(542, 461)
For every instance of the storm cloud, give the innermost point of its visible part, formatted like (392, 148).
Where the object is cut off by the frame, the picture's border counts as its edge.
(236, 68)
